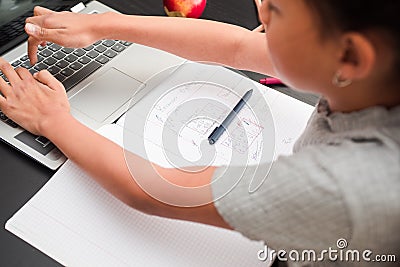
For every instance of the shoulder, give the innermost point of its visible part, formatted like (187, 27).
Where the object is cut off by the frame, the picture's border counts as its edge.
(314, 197)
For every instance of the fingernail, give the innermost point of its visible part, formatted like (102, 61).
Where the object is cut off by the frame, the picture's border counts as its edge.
(31, 28)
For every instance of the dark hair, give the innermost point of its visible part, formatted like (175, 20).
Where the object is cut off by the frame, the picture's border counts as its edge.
(361, 16)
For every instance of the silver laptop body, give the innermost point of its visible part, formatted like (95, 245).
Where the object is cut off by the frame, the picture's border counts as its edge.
(99, 98)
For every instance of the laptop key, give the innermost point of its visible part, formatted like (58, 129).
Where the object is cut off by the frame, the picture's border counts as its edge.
(60, 77)
(39, 58)
(125, 43)
(59, 55)
(102, 59)
(92, 54)
(50, 61)
(100, 48)
(81, 74)
(88, 48)
(84, 60)
(3, 116)
(40, 66)
(110, 53)
(16, 63)
(26, 65)
(62, 64)
(76, 66)
(108, 43)
(118, 48)
(54, 70)
(71, 58)
(33, 71)
(67, 72)
(79, 52)
(54, 47)
(46, 53)
(24, 58)
(67, 50)
(11, 123)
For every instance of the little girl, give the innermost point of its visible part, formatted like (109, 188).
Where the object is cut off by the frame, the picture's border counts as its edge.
(343, 180)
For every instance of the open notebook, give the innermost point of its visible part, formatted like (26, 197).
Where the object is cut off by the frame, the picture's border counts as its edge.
(75, 221)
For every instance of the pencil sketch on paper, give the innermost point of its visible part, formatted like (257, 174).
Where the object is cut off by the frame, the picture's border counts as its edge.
(192, 112)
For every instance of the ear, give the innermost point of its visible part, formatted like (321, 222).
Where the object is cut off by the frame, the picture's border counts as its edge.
(357, 56)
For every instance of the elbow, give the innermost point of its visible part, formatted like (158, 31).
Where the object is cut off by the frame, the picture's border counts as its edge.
(153, 207)
(146, 205)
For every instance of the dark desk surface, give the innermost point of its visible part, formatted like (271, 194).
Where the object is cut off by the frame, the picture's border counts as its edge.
(21, 177)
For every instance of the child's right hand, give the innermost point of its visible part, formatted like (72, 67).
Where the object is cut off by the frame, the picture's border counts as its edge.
(64, 28)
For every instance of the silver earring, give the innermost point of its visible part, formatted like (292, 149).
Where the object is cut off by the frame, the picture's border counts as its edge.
(338, 81)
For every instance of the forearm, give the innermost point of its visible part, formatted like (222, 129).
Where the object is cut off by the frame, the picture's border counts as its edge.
(105, 162)
(101, 158)
(194, 39)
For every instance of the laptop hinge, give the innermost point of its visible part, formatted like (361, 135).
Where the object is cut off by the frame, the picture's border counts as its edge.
(78, 8)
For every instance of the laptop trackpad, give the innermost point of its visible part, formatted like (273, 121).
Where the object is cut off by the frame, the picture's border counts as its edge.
(102, 97)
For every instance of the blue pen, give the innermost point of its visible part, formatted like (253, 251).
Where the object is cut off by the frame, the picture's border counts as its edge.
(218, 131)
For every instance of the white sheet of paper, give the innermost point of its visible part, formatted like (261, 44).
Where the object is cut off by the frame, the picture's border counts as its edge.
(75, 221)
(289, 118)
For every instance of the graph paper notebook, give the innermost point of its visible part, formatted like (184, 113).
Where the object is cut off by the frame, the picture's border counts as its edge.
(75, 221)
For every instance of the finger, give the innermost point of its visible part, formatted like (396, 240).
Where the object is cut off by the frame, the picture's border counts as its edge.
(38, 20)
(8, 71)
(2, 102)
(24, 74)
(42, 34)
(46, 78)
(38, 11)
(5, 89)
(33, 44)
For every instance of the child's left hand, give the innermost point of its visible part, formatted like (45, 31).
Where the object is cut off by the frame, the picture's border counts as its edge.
(34, 102)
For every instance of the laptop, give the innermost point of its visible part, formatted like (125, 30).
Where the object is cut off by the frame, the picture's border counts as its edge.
(102, 80)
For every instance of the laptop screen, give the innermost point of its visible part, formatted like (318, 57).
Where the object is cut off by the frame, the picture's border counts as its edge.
(13, 14)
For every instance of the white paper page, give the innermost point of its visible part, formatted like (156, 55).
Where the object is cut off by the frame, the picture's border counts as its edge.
(219, 89)
(75, 221)
(290, 117)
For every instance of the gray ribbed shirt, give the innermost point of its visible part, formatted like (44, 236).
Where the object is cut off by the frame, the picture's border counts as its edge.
(342, 181)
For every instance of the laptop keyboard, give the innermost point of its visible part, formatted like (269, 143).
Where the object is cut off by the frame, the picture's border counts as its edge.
(68, 65)
(15, 28)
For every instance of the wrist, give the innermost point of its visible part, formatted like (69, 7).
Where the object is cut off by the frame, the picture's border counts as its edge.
(104, 25)
(52, 126)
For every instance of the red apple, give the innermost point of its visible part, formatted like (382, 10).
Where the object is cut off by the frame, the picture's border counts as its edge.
(184, 8)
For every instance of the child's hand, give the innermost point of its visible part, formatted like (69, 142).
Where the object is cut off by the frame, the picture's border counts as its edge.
(64, 28)
(35, 103)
